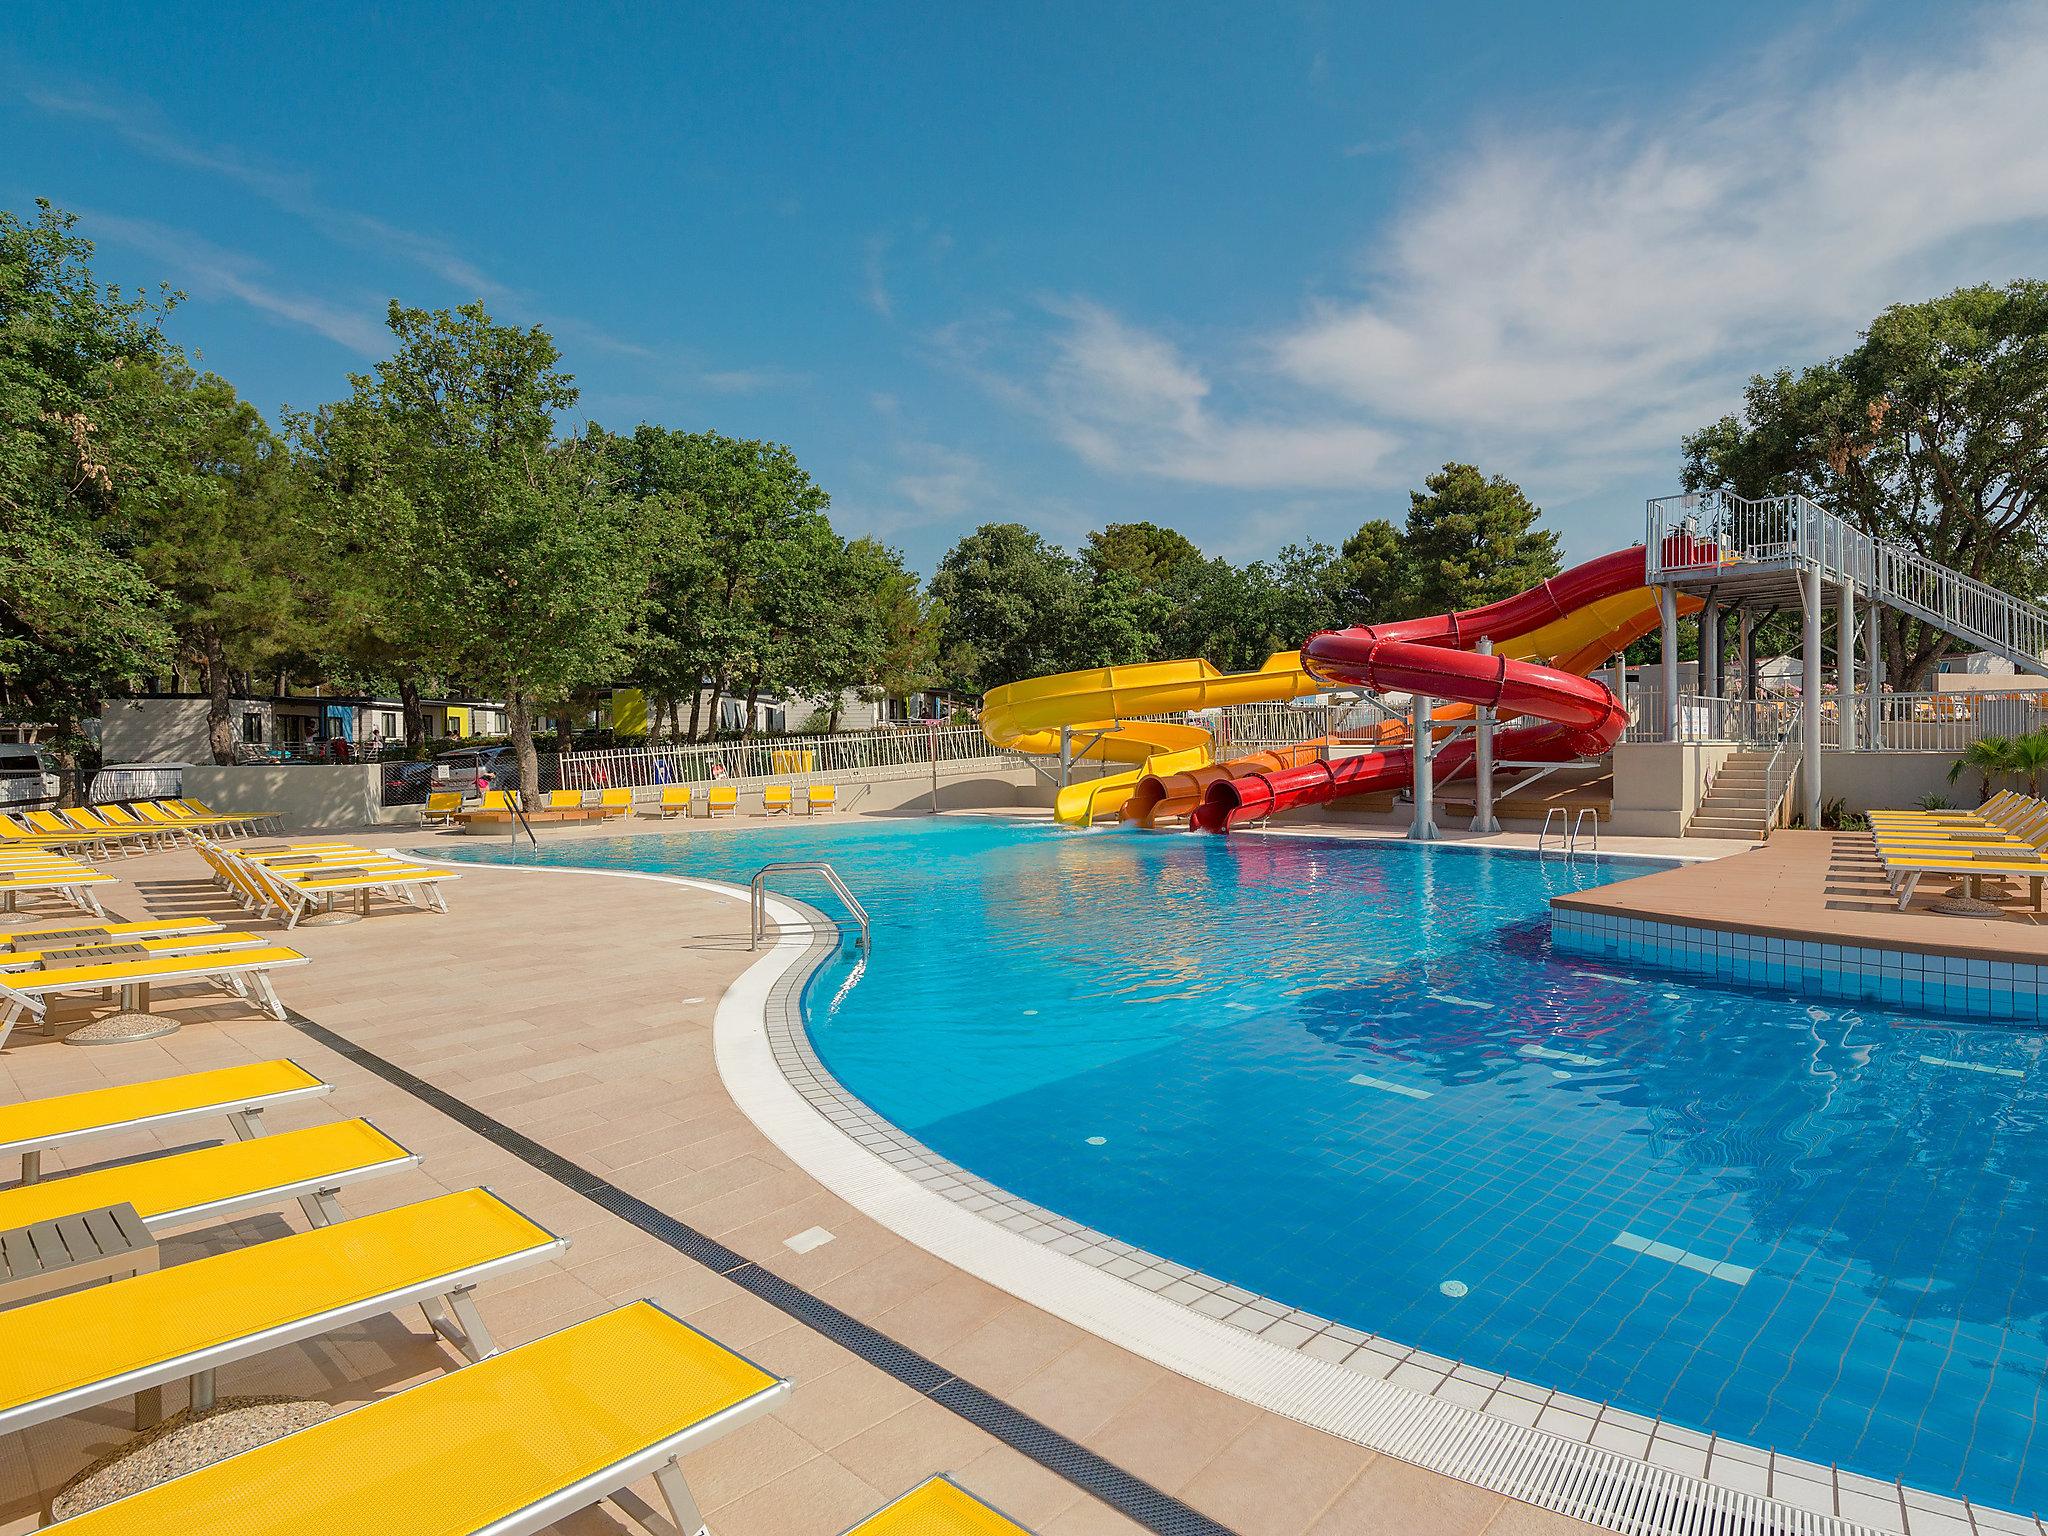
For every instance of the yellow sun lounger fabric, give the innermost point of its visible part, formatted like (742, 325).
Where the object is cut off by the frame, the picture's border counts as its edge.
(515, 1443)
(938, 1507)
(674, 801)
(214, 1183)
(70, 1352)
(240, 1093)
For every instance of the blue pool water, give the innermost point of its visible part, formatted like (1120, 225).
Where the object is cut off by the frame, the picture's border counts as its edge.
(1161, 1037)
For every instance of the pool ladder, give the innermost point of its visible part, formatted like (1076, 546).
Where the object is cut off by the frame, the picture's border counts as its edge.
(758, 894)
(1572, 829)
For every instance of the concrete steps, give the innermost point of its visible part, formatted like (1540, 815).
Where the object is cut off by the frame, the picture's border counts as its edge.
(1737, 802)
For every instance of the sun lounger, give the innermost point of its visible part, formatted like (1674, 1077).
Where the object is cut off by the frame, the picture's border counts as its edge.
(821, 797)
(186, 826)
(73, 884)
(122, 816)
(498, 800)
(68, 1353)
(674, 801)
(615, 802)
(242, 1094)
(257, 820)
(220, 1182)
(775, 799)
(564, 800)
(296, 892)
(1905, 870)
(440, 809)
(17, 835)
(110, 836)
(938, 1507)
(114, 945)
(88, 933)
(244, 972)
(513, 1445)
(722, 800)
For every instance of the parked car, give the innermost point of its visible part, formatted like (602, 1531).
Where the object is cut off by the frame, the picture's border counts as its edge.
(406, 782)
(460, 769)
(28, 776)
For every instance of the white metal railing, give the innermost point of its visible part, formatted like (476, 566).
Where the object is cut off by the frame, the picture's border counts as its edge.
(757, 892)
(1279, 724)
(880, 753)
(1704, 718)
(1714, 531)
(1906, 722)
(1778, 775)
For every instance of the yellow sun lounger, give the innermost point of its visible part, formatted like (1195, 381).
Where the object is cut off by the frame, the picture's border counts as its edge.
(174, 944)
(1905, 871)
(938, 1507)
(256, 819)
(615, 802)
(244, 972)
(94, 933)
(513, 1445)
(564, 800)
(821, 797)
(15, 834)
(722, 800)
(299, 892)
(674, 801)
(128, 839)
(74, 885)
(241, 1093)
(440, 809)
(775, 798)
(216, 1183)
(68, 1353)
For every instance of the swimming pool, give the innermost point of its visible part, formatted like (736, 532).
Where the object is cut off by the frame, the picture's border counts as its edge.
(1354, 1078)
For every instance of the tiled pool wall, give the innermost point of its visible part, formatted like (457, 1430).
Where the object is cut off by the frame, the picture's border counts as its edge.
(1984, 989)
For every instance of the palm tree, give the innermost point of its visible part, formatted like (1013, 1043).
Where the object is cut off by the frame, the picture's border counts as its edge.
(1987, 757)
(2029, 755)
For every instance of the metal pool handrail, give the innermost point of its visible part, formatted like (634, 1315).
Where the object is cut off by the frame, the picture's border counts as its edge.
(758, 888)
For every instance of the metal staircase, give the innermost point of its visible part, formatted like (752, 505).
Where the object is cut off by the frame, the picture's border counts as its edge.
(1714, 539)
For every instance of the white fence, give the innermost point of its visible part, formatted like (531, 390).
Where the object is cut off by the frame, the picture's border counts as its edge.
(1906, 722)
(877, 753)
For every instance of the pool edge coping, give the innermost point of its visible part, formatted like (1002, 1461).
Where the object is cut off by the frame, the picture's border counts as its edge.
(760, 1037)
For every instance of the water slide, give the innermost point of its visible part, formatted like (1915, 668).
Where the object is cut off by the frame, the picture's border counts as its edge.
(1102, 710)
(1545, 641)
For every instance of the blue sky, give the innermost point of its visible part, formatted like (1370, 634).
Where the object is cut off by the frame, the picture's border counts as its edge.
(1251, 271)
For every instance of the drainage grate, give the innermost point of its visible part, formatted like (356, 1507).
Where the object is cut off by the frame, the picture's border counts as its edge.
(1130, 1496)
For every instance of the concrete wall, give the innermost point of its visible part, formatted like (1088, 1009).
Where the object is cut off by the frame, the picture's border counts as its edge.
(1658, 785)
(154, 731)
(308, 796)
(1887, 780)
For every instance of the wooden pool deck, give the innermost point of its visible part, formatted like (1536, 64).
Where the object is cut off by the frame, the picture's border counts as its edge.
(1824, 887)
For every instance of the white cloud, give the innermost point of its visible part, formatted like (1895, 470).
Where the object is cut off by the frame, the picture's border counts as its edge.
(875, 277)
(209, 271)
(1126, 401)
(1612, 286)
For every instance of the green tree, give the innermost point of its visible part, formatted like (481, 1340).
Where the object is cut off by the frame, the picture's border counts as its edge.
(1151, 556)
(1932, 431)
(1010, 600)
(219, 539)
(911, 623)
(522, 563)
(77, 618)
(1376, 577)
(1471, 540)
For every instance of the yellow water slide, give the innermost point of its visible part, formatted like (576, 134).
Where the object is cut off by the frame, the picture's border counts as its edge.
(1102, 711)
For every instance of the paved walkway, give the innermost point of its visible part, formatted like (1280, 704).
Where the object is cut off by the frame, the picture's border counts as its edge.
(577, 1010)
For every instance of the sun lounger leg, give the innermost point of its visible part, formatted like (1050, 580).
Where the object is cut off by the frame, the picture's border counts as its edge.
(685, 1518)
(31, 1167)
(267, 994)
(247, 1124)
(457, 1320)
(149, 1408)
(1906, 890)
(320, 1208)
(202, 1391)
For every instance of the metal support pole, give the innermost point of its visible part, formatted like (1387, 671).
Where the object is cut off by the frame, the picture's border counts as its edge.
(1848, 735)
(1066, 754)
(1667, 609)
(1710, 648)
(1483, 819)
(1748, 645)
(1873, 678)
(1809, 690)
(1424, 825)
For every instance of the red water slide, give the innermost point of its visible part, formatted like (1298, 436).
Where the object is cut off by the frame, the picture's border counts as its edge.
(1573, 716)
